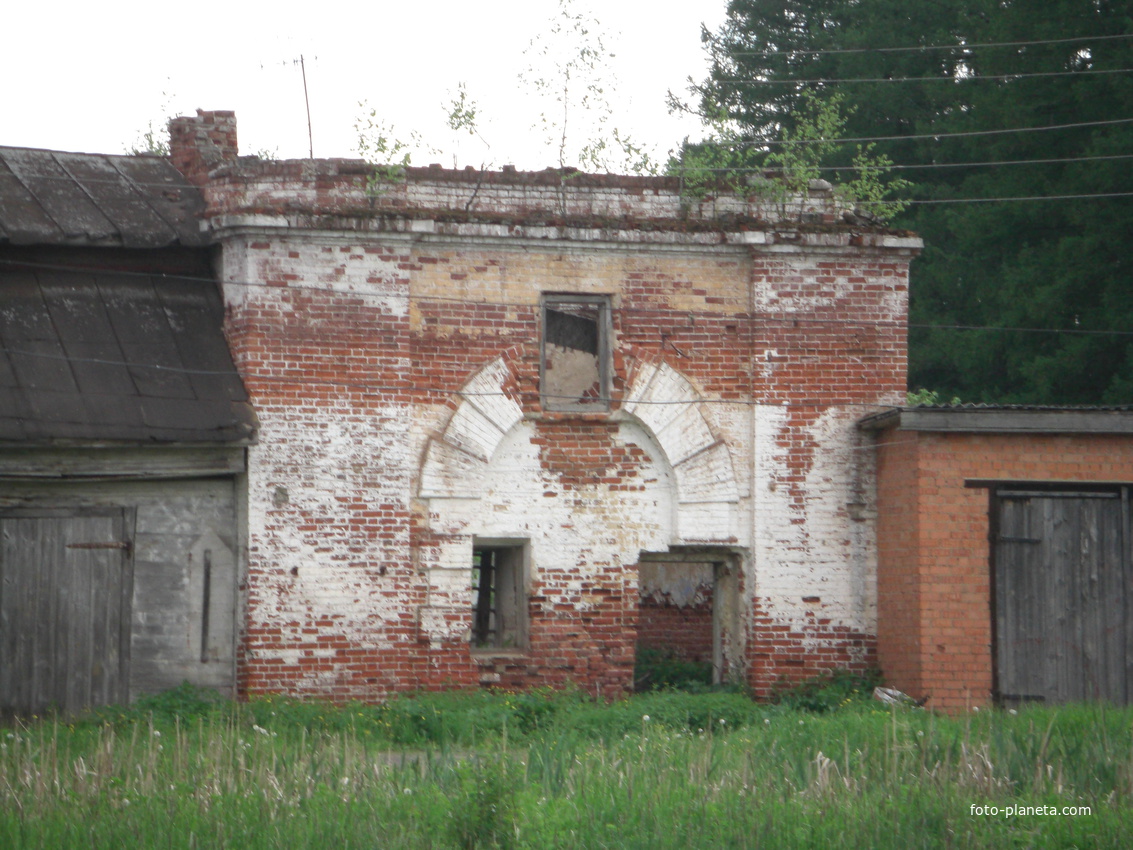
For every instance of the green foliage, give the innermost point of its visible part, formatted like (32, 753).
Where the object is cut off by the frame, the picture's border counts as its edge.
(727, 158)
(569, 71)
(863, 777)
(657, 669)
(183, 704)
(1047, 278)
(928, 398)
(378, 144)
(483, 802)
(723, 159)
(154, 139)
(819, 125)
(830, 691)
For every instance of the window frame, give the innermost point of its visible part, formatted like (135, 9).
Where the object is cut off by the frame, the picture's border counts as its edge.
(604, 354)
(499, 621)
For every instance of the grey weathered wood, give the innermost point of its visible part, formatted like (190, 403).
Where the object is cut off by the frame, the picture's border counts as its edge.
(20, 463)
(163, 600)
(62, 622)
(1062, 579)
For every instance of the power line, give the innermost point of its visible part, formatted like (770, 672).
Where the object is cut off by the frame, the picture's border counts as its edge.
(920, 48)
(70, 359)
(769, 142)
(1020, 198)
(1058, 161)
(941, 79)
(1057, 331)
(910, 166)
(921, 136)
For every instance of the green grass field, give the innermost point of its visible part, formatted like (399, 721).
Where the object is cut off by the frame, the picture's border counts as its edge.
(556, 770)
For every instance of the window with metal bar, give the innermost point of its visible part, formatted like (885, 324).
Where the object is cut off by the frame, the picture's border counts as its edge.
(499, 601)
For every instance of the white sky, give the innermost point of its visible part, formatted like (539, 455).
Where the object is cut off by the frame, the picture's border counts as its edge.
(91, 77)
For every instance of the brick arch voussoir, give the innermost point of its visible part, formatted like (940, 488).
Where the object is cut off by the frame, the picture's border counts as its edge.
(487, 408)
(676, 413)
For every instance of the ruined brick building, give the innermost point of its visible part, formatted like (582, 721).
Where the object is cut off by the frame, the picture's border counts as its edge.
(510, 425)
(317, 428)
(509, 420)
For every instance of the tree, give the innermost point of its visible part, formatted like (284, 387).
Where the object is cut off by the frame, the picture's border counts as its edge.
(957, 77)
(569, 73)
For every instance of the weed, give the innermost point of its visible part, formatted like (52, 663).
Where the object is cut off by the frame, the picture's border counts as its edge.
(658, 669)
(828, 691)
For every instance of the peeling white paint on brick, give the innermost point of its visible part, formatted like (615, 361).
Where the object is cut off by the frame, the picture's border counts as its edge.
(368, 490)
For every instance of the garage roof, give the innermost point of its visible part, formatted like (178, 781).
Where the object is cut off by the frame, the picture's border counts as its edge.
(1004, 418)
(56, 198)
(110, 356)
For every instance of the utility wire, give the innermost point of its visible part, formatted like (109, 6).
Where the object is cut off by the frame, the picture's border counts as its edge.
(1020, 198)
(941, 79)
(920, 48)
(749, 142)
(181, 370)
(937, 136)
(923, 165)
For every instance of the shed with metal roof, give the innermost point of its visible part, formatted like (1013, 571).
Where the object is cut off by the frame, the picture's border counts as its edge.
(1004, 566)
(123, 427)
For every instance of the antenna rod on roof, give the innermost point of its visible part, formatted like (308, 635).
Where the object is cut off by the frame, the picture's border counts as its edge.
(307, 101)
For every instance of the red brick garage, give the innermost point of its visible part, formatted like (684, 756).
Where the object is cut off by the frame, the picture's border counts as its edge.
(1003, 553)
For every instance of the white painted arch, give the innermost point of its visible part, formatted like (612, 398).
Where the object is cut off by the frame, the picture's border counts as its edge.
(660, 398)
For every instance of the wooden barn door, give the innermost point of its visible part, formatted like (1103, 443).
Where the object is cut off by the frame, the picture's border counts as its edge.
(65, 597)
(1062, 586)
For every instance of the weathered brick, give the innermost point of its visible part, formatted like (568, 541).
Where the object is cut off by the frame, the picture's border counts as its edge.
(391, 346)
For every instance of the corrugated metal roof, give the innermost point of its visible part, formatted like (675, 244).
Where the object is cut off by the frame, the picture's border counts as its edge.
(116, 357)
(55, 198)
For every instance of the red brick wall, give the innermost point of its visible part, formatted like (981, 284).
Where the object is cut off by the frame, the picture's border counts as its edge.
(685, 632)
(934, 606)
(358, 321)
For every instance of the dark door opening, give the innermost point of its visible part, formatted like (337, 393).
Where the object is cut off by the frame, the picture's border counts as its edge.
(686, 630)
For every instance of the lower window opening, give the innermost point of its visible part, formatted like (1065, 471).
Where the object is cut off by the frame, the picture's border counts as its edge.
(499, 601)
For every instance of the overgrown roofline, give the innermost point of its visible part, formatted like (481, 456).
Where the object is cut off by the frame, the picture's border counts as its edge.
(204, 148)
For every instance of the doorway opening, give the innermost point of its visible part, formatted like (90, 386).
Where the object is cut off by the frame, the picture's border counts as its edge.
(687, 608)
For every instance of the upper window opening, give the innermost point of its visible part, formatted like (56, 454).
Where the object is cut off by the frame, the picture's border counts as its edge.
(574, 369)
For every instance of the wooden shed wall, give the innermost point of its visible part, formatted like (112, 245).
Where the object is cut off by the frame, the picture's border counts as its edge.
(180, 551)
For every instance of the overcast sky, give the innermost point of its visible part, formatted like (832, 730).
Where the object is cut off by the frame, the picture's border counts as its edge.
(92, 77)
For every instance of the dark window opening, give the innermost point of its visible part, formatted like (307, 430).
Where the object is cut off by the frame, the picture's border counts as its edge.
(499, 609)
(574, 367)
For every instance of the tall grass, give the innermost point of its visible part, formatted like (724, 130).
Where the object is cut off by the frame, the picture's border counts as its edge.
(555, 770)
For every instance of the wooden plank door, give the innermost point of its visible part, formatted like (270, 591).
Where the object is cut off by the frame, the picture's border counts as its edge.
(1062, 579)
(65, 600)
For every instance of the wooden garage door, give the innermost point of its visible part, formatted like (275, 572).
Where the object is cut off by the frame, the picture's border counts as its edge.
(65, 590)
(1062, 580)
